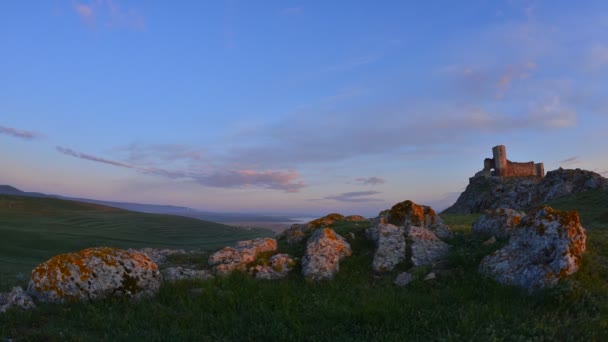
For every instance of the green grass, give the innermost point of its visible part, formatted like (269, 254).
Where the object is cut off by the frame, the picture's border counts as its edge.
(33, 230)
(356, 305)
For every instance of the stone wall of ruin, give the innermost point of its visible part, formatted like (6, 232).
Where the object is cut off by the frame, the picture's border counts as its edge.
(515, 169)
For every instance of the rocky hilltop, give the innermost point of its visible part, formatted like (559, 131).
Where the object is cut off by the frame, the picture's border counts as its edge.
(522, 193)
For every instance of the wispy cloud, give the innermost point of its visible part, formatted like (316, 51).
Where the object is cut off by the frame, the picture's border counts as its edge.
(287, 181)
(108, 13)
(17, 133)
(370, 180)
(292, 11)
(570, 161)
(355, 197)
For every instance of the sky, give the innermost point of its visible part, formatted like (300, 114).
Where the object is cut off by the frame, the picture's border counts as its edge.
(295, 107)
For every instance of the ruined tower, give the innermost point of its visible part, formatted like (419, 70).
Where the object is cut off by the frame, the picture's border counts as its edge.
(500, 166)
(500, 160)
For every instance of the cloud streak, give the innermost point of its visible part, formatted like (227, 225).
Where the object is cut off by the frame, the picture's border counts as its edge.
(370, 180)
(287, 181)
(355, 197)
(17, 133)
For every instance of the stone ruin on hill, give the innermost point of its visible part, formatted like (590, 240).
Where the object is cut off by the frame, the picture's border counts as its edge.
(502, 167)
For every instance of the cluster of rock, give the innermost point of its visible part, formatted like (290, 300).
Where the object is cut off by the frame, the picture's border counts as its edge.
(408, 213)
(296, 233)
(544, 248)
(521, 193)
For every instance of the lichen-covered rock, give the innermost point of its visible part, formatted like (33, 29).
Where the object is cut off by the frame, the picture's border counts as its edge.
(280, 266)
(497, 222)
(298, 232)
(403, 279)
(94, 273)
(408, 213)
(546, 247)
(426, 246)
(324, 250)
(390, 246)
(181, 273)
(240, 256)
(17, 298)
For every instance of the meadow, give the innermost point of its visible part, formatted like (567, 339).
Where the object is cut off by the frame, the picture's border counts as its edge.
(355, 306)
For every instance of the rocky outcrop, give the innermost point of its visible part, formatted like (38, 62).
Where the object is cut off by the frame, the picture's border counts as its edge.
(390, 246)
(426, 246)
(546, 247)
(180, 273)
(356, 218)
(408, 213)
(239, 257)
(17, 298)
(497, 222)
(324, 250)
(279, 268)
(299, 232)
(522, 193)
(94, 273)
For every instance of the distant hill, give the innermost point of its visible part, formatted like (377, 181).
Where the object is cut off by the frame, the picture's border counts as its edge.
(157, 208)
(33, 229)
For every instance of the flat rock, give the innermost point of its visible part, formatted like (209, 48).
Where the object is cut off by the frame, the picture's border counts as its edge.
(324, 250)
(546, 247)
(94, 273)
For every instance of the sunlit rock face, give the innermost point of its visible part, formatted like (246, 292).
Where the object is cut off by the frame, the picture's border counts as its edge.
(426, 246)
(299, 232)
(390, 246)
(94, 273)
(546, 247)
(497, 222)
(240, 256)
(324, 250)
(408, 213)
(17, 298)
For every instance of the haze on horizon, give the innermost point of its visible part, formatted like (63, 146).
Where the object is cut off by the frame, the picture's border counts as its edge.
(295, 107)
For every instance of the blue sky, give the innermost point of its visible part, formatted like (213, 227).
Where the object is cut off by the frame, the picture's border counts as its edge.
(295, 107)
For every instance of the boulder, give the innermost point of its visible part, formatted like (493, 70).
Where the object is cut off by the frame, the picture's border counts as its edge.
(497, 222)
(181, 273)
(94, 273)
(324, 250)
(546, 247)
(408, 213)
(299, 232)
(17, 298)
(244, 253)
(425, 245)
(279, 268)
(390, 246)
(403, 279)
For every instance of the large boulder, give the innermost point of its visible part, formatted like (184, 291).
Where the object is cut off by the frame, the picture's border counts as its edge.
(280, 266)
(94, 273)
(390, 246)
(299, 232)
(408, 213)
(324, 250)
(426, 246)
(17, 298)
(497, 222)
(546, 247)
(239, 257)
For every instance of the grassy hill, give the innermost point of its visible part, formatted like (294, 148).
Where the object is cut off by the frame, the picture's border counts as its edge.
(355, 306)
(34, 229)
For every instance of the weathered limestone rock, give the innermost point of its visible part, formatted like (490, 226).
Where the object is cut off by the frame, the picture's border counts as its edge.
(408, 213)
(231, 259)
(390, 246)
(298, 232)
(426, 246)
(546, 247)
(94, 273)
(497, 222)
(324, 250)
(17, 298)
(181, 273)
(403, 279)
(280, 266)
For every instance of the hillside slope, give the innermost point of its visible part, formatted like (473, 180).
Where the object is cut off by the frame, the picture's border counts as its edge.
(34, 229)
